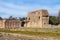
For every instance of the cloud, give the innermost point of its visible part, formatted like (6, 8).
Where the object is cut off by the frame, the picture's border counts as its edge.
(10, 5)
(22, 10)
(11, 12)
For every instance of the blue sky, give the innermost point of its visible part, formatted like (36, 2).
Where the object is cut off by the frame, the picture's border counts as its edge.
(20, 8)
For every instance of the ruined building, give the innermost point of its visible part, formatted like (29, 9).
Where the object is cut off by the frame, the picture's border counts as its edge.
(2, 24)
(35, 19)
(12, 23)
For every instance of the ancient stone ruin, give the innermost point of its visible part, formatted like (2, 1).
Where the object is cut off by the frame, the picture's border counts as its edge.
(35, 19)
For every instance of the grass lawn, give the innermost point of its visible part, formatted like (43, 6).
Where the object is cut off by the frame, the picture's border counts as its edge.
(34, 31)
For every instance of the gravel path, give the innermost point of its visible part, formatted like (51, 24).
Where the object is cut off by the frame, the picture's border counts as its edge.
(11, 36)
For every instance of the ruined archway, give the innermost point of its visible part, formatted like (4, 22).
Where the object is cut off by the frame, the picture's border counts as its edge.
(22, 24)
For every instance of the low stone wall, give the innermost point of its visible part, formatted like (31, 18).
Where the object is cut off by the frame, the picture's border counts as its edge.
(51, 26)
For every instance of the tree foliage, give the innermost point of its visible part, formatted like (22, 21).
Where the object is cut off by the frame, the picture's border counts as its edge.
(53, 20)
(24, 18)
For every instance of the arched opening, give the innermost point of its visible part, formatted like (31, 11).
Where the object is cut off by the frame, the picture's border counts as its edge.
(22, 24)
(39, 17)
(29, 18)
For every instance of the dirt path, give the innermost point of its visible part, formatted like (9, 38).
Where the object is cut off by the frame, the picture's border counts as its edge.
(14, 36)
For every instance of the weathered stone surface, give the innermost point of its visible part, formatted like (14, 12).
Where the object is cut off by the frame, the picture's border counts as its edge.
(38, 18)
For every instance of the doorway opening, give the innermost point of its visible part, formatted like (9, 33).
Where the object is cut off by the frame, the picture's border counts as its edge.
(22, 24)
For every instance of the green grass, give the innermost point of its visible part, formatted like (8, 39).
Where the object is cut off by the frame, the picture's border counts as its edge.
(34, 31)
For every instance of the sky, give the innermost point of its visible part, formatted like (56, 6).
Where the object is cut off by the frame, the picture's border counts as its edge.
(21, 8)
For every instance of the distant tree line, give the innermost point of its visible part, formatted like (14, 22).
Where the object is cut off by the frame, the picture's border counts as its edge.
(53, 20)
(23, 18)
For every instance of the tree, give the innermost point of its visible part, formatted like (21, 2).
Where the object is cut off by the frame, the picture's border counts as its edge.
(24, 18)
(53, 20)
(1, 18)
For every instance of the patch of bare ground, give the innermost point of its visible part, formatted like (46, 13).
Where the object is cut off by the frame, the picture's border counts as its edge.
(12, 36)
